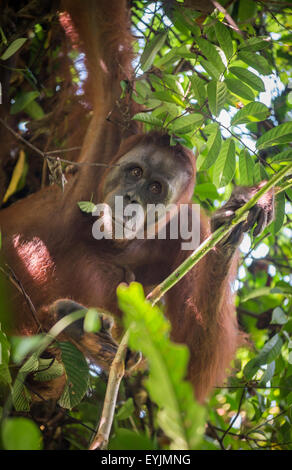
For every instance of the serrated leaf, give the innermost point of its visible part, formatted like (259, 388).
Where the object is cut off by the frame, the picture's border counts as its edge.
(251, 112)
(22, 100)
(216, 96)
(246, 168)
(256, 61)
(224, 167)
(86, 206)
(239, 88)
(278, 135)
(12, 48)
(187, 124)
(18, 172)
(151, 50)
(224, 38)
(248, 77)
(214, 145)
(77, 373)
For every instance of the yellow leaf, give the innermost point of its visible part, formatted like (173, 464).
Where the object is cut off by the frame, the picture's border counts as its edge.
(16, 176)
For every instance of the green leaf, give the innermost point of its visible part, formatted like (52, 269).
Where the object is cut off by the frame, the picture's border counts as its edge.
(77, 373)
(126, 410)
(213, 145)
(13, 47)
(169, 97)
(246, 168)
(86, 206)
(187, 124)
(206, 191)
(279, 317)
(248, 77)
(251, 112)
(213, 64)
(268, 375)
(224, 38)
(255, 44)
(280, 212)
(5, 376)
(124, 439)
(199, 89)
(260, 173)
(239, 88)
(22, 100)
(224, 167)
(48, 369)
(285, 156)
(151, 49)
(179, 416)
(256, 61)
(278, 135)
(92, 321)
(148, 119)
(21, 434)
(269, 353)
(217, 92)
(19, 172)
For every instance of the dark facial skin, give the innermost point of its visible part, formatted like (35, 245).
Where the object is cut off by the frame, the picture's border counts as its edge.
(146, 175)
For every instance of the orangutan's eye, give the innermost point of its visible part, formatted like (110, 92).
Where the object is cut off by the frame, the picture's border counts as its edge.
(155, 187)
(137, 172)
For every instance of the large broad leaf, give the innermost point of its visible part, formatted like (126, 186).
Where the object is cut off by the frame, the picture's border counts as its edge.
(213, 145)
(21, 434)
(187, 124)
(239, 88)
(246, 168)
(216, 96)
(256, 61)
(248, 77)
(179, 416)
(251, 112)
(224, 167)
(281, 134)
(151, 50)
(224, 39)
(77, 373)
(125, 439)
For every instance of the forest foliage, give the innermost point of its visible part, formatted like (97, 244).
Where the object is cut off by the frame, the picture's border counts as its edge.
(220, 83)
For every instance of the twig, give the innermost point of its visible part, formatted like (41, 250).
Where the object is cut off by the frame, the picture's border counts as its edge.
(230, 20)
(48, 155)
(117, 371)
